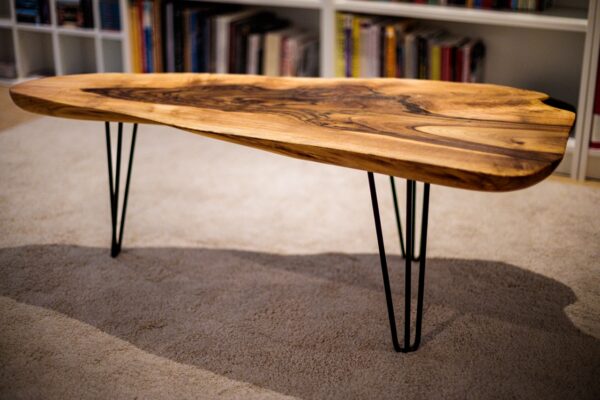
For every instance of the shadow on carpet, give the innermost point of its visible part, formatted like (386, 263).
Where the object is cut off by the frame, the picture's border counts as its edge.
(315, 326)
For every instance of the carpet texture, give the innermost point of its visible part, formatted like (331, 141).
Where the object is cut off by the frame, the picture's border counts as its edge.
(249, 275)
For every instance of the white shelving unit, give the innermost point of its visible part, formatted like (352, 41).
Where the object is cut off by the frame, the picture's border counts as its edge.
(50, 49)
(555, 51)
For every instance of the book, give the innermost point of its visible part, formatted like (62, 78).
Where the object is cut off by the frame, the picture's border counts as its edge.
(272, 51)
(348, 47)
(411, 65)
(136, 51)
(434, 66)
(389, 60)
(340, 62)
(110, 16)
(355, 52)
(253, 65)
(147, 35)
(169, 34)
(222, 37)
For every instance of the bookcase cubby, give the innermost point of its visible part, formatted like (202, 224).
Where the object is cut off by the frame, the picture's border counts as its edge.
(7, 54)
(4, 10)
(554, 51)
(78, 54)
(112, 55)
(36, 53)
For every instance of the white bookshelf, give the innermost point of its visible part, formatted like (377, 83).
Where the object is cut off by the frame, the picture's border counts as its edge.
(555, 51)
(50, 49)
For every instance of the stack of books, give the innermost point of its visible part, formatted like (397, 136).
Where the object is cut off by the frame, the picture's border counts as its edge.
(515, 5)
(32, 11)
(396, 48)
(110, 17)
(75, 13)
(175, 36)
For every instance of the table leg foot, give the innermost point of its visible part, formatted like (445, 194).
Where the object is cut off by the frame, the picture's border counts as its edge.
(113, 183)
(410, 233)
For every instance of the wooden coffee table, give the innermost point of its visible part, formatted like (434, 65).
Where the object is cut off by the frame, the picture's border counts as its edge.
(469, 136)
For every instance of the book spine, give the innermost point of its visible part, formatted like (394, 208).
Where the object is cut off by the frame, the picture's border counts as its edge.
(422, 53)
(170, 37)
(365, 50)
(435, 62)
(135, 40)
(222, 31)
(348, 44)
(458, 65)
(252, 60)
(390, 51)
(356, 47)
(446, 68)
(467, 64)
(285, 57)
(157, 37)
(400, 54)
(140, 26)
(410, 59)
(340, 38)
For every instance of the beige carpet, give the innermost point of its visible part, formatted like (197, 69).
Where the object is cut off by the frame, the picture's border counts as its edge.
(250, 275)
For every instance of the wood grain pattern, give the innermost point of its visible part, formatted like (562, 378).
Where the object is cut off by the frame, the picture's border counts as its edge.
(472, 136)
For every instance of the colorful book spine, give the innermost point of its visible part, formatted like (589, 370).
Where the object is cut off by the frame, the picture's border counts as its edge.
(390, 52)
(435, 60)
(340, 39)
(147, 34)
(348, 44)
(356, 47)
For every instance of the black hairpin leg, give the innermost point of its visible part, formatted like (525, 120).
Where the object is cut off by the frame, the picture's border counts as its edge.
(411, 187)
(115, 247)
(399, 223)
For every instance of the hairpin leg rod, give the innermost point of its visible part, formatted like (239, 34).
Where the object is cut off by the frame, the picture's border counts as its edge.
(399, 220)
(411, 186)
(114, 183)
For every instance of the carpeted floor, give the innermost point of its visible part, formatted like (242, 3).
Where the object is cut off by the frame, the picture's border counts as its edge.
(250, 275)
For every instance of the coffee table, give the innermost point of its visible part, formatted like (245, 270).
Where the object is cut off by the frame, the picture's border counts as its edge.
(469, 136)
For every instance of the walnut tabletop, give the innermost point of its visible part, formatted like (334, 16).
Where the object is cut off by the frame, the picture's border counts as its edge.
(472, 136)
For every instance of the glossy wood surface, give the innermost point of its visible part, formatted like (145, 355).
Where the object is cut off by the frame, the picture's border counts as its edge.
(472, 136)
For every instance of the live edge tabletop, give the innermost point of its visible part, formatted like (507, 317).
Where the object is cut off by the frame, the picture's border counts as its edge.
(472, 136)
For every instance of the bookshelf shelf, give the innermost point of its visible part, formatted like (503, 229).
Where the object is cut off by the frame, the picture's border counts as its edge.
(560, 18)
(83, 32)
(36, 54)
(313, 4)
(34, 27)
(111, 35)
(5, 23)
(85, 61)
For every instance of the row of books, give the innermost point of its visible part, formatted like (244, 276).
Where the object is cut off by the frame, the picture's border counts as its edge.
(175, 36)
(75, 13)
(379, 47)
(110, 16)
(515, 5)
(33, 11)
